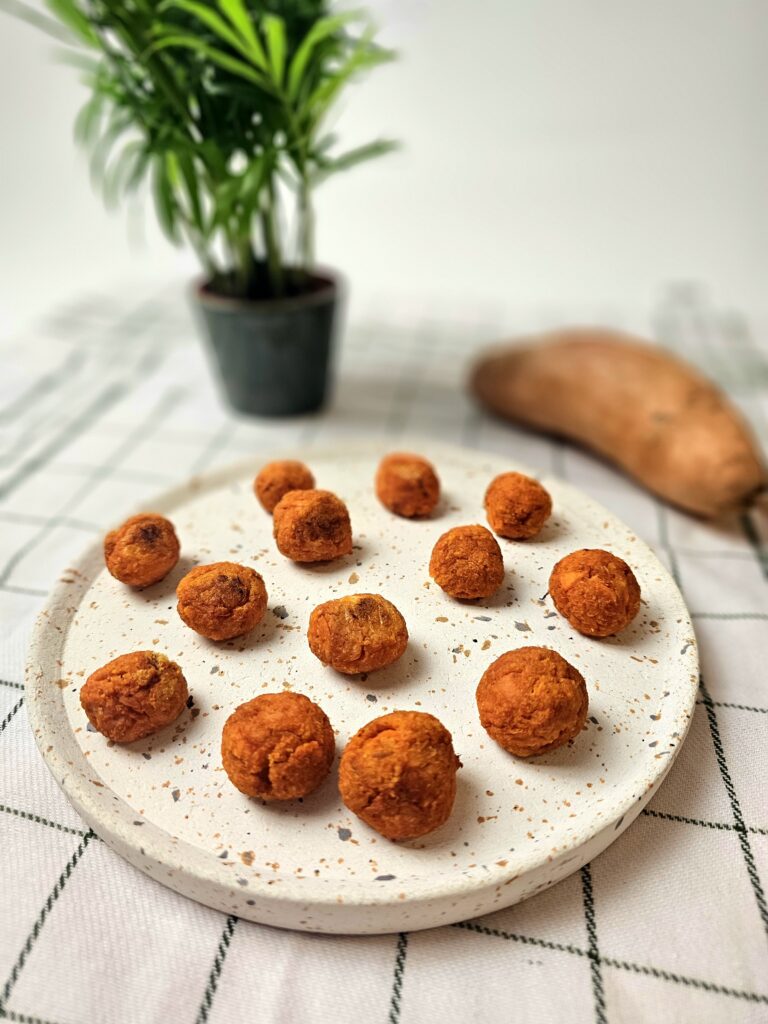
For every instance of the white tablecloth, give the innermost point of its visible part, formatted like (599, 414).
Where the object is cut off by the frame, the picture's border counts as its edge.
(109, 401)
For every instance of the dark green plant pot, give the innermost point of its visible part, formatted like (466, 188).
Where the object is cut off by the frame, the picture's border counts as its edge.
(272, 356)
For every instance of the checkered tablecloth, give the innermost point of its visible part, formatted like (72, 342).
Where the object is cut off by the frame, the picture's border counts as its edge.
(110, 401)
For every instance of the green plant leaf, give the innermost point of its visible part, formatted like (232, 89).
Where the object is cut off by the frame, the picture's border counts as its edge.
(253, 181)
(352, 157)
(165, 202)
(88, 120)
(68, 12)
(190, 179)
(322, 145)
(224, 199)
(224, 60)
(363, 57)
(139, 171)
(32, 17)
(213, 157)
(274, 30)
(118, 122)
(321, 30)
(213, 20)
(181, 89)
(79, 59)
(122, 171)
(238, 16)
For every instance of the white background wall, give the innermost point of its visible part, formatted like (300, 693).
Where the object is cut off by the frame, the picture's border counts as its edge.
(560, 152)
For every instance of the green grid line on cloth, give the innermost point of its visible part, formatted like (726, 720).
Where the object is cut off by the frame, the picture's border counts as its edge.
(103, 402)
(752, 536)
(401, 953)
(29, 591)
(218, 963)
(624, 965)
(30, 816)
(23, 1018)
(89, 416)
(45, 383)
(37, 520)
(740, 827)
(730, 704)
(53, 896)
(593, 952)
(738, 817)
(9, 717)
(144, 429)
(106, 398)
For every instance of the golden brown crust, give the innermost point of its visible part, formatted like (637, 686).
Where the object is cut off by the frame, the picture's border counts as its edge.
(517, 506)
(222, 600)
(407, 485)
(596, 591)
(134, 696)
(312, 526)
(277, 478)
(142, 550)
(278, 746)
(467, 563)
(531, 701)
(398, 774)
(357, 633)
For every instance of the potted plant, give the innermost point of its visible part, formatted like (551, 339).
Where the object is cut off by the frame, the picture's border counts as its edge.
(222, 105)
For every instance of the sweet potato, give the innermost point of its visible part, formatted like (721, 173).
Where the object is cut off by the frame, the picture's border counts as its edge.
(639, 406)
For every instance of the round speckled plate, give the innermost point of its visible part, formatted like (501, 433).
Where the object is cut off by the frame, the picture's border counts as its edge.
(166, 805)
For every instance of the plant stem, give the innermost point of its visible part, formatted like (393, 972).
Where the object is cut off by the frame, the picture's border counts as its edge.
(206, 259)
(245, 260)
(306, 228)
(271, 242)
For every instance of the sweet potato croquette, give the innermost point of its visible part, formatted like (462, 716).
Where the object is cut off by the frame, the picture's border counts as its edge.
(141, 551)
(517, 506)
(398, 774)
(466, 563)
(278, 746)
(222, 600)
(595, 591)
(276, 479)
(407, 485)
(134, 695)
(358, 633)
(312, 526)
(531, 701)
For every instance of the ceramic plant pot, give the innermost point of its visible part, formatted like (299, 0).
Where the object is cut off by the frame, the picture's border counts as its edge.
(272, 356)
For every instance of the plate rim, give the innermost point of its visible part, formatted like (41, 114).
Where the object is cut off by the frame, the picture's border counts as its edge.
(117, 833)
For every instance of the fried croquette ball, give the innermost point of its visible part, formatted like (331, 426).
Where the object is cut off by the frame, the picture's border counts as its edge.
(278, 746)
(276, 479)
(141, 551)
(134, 695)
(407, 485)
(517, 506)
(312, 526)
(596, 591)
(358, 633)
(531, 701)
(466, 562)
(222, 600)
(398, 774)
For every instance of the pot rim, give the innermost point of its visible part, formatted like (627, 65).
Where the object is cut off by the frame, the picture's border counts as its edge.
(330, 282)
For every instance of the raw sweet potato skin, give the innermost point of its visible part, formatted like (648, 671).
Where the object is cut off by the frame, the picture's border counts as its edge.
(639, 406)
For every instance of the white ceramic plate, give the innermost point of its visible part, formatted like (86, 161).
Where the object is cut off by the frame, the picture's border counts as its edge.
(518, 826)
